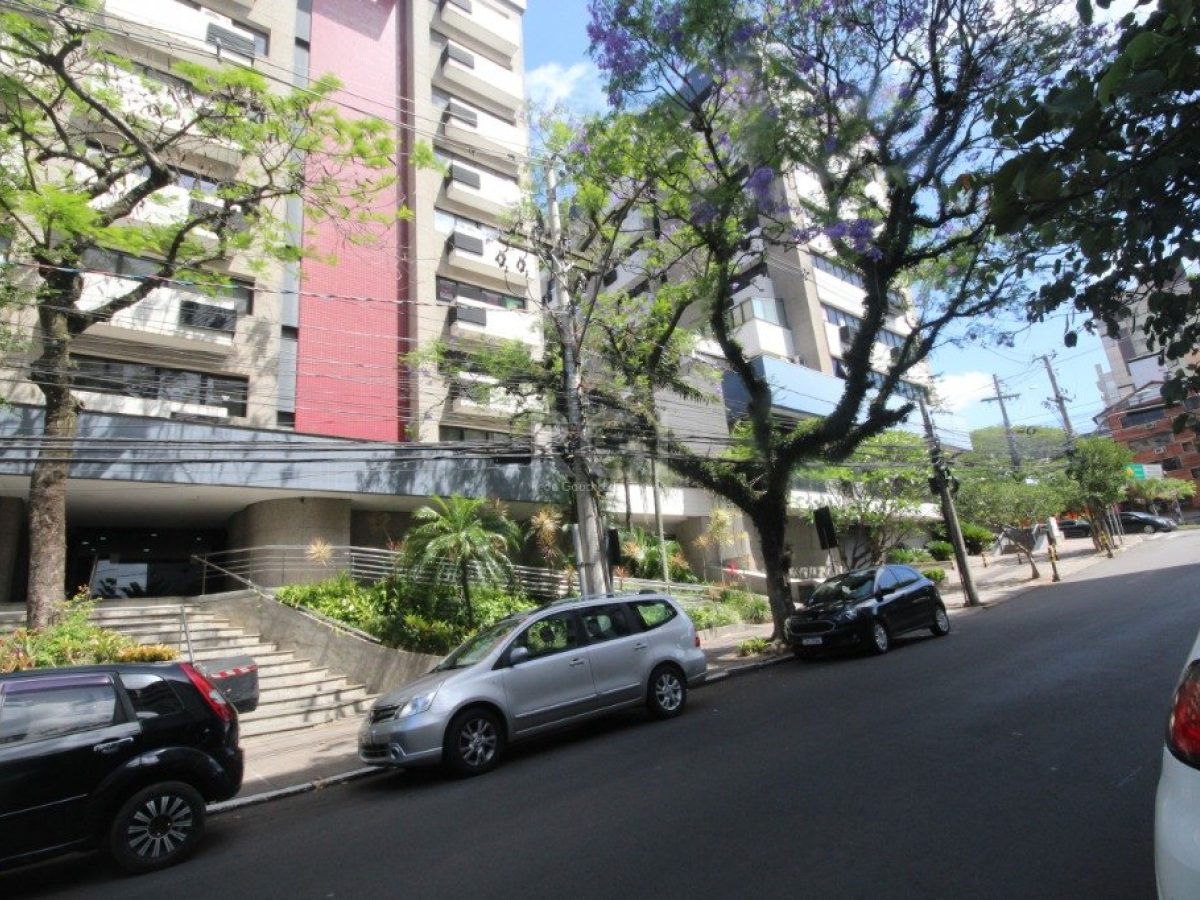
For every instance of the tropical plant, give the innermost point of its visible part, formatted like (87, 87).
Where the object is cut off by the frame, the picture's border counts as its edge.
(718, 531)
(461, 538)
(545, 531)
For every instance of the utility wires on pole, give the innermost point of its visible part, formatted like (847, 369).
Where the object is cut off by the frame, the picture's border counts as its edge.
(941, 483)
(590, 560)
(1000, 397)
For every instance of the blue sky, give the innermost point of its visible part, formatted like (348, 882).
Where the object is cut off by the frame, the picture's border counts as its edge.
(558, 70)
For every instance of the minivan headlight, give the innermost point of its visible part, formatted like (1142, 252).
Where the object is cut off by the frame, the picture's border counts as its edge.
(415, 705)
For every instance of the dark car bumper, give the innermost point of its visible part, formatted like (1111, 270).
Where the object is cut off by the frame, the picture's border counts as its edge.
(834, 636)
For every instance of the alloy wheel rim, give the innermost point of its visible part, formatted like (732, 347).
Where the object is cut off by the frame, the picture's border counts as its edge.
(943, 620)
(160, 826)
(668, 692)
(477, 742)
(881, 637)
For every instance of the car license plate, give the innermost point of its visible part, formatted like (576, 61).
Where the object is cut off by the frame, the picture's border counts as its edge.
(811, 642)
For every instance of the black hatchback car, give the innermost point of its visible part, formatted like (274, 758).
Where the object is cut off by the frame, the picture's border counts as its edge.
(122, 757)
(866, 609)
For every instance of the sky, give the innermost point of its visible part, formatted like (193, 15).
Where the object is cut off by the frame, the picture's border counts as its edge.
(558, 70)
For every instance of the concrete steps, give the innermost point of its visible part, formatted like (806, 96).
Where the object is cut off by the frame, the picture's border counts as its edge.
(293, 693)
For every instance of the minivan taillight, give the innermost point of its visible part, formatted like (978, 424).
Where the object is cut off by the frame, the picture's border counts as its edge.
(208, 691)
(1183, 728)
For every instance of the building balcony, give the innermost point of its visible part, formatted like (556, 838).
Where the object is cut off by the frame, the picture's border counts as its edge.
(490, 261)
(471, 132)
(477, 323)
(479, 193)
(761, 328)
(207, 35)
(483, 81)
(475, 22)
(477, 396)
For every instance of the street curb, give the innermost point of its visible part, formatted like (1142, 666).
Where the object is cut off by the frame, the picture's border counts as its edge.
(216, 809)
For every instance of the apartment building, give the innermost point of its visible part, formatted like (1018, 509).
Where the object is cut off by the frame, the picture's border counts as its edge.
(1143, 423)
(275, 383)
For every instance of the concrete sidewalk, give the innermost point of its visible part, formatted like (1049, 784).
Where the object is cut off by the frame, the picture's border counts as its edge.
(309, 759)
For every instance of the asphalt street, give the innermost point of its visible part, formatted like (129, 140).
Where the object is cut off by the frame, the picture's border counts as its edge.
(1017, 757)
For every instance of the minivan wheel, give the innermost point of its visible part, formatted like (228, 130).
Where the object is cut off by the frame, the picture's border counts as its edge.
(881, 641)
(667, 693)
(941, 622)
(157, 827)
(474, 742)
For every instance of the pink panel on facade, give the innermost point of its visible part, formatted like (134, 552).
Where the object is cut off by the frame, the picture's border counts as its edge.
(353, 315)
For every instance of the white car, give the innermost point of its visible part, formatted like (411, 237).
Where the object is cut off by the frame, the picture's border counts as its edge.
(1177, 806)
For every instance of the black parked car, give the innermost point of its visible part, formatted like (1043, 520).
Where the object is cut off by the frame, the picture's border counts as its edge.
(866, 608)
(1073, 528)
(122, 757)
(1145, 523)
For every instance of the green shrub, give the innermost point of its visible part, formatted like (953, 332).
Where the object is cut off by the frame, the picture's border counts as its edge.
(421, 635)
(494, 603)
(940, 550)
(753, 646)
(937, 576)
(72, 640)
(340, 598)
(900, 556)
(712, 615)
(976, 537)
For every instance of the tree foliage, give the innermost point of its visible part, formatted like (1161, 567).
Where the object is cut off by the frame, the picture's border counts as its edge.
(1011, 505)
(876, 496)
(98, 157)
(1035, 443)
(1105, 172)
(876, 112)
(461, 538)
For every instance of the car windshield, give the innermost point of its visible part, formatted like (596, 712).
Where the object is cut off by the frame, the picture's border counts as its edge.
(475, 648)
(851, 586)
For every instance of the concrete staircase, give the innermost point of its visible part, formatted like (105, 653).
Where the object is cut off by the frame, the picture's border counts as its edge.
(293, 693)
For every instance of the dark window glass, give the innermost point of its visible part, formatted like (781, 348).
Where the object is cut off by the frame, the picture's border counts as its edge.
(151, 696)
(227, 392)
(285, 419)
(1171, 463)
(603, 623)
(552, 634)
(904, 575)
(1142, 416)
(56, 707)
(652, 613)
(445, 290)
(887, 581)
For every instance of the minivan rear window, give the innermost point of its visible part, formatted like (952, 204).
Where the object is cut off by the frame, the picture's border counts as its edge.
(653, 613)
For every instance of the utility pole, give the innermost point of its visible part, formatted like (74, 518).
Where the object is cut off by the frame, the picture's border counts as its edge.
(1000, 397)
(1061, 401)
(589, 561)
(940, 482)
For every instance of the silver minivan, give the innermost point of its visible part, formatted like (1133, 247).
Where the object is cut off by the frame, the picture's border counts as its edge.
(536, 670)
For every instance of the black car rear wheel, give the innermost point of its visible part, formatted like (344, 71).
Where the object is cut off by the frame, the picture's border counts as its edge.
(157, 827)
(941, 622)
(881, 641)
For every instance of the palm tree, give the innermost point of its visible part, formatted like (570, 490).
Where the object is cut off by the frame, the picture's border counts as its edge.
(461, 534)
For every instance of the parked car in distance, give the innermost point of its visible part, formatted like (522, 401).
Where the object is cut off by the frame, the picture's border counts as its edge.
(122, 757)
(1145, 523)
(1073, 528)
(536, 670)
(866, 609)
(1177, 802)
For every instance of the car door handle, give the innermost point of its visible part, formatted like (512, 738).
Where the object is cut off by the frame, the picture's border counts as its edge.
(640, 645)
(577, 661)
(112, 746)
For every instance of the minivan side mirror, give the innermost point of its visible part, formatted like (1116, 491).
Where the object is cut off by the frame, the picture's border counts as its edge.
(517, 655)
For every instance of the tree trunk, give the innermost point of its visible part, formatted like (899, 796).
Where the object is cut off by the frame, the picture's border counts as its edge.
(777, 560)
(464, 577)
(48, 485)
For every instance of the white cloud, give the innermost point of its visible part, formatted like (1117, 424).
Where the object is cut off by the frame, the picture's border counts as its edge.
(576, 87)
(962, 389)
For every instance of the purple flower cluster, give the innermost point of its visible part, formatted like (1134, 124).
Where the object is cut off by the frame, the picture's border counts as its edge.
(759, 184)
(859, 233)
(615, 48)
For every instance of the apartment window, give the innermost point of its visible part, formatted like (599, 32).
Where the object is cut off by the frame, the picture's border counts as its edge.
(1196, 473)
(1142, 417)
(1188, 447)
(907, 389)
(452, 434)
(764, 309)
(843, 319)
(451, 291)
(1171, 463)
(129, 379)
(285, 419)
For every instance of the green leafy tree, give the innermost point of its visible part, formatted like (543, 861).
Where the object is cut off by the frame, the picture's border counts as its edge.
(877, 108)
(1151, 492)
(461, 538)
(1104, 171)
(1097, 475)
(877, 494)
(1011, 505)
(1035, 444)
(93, 144)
